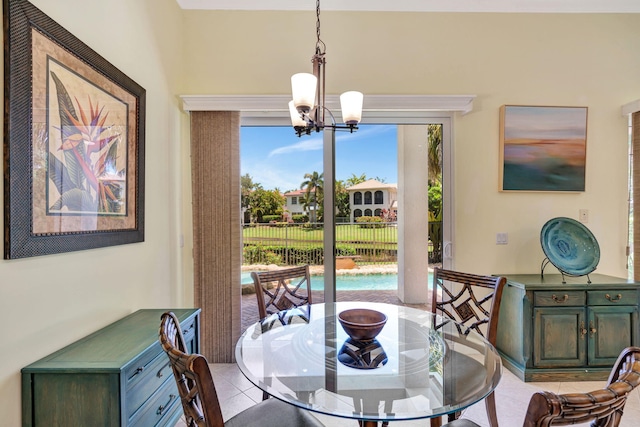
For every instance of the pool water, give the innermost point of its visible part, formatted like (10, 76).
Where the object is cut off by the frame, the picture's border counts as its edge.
(354, 282)
(350, 282)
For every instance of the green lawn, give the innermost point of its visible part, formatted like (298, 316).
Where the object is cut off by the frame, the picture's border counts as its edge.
(344, 234)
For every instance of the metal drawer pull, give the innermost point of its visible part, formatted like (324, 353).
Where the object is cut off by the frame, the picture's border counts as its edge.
(558, 300)
(160, 374)
(616, 299)
(583, 330)
(161, 408)
(138, 370)
(592, 329)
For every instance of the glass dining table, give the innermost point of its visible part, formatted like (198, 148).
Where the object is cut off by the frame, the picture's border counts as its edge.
(419, 366)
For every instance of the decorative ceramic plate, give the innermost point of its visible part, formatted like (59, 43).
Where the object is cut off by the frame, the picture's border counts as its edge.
(570, 246)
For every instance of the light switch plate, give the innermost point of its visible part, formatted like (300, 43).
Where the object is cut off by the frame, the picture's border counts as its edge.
(502, 239)
(583, 215)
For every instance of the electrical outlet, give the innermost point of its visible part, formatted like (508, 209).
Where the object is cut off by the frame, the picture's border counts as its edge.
(584, 216)
(502, 239)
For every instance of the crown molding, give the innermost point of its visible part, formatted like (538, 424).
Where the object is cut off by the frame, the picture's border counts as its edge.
(631, 107)
(495, 6)
(256, 108)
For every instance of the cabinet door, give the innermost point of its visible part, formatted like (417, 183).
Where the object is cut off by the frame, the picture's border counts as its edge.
(559, 338)
(610, 330)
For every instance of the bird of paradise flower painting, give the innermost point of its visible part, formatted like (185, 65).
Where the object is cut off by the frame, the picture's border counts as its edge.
(73, 145)
(85, 172)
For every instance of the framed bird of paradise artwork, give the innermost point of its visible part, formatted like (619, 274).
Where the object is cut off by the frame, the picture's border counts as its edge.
(73, 142)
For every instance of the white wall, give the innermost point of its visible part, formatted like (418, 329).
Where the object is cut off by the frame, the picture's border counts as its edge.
(535, 59)
(50, 301)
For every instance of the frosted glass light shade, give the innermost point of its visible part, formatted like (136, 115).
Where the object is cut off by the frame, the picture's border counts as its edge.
(296, 119)
(303, 88)
(351, 106)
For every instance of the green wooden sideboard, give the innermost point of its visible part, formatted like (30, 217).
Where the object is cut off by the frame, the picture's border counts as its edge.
(573, 331)
(117, 376)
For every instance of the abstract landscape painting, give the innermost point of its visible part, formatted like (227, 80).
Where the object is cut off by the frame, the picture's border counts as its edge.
(542, 148)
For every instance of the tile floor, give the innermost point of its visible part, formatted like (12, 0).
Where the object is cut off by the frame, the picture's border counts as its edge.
(236, 393)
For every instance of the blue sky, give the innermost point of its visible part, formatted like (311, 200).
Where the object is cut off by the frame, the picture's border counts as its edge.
(276, 158)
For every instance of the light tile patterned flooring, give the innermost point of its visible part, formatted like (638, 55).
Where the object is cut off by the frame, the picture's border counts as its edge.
(236, 394)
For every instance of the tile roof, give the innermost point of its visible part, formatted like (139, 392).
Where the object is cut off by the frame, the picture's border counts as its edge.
(295, 193)
(371, 184)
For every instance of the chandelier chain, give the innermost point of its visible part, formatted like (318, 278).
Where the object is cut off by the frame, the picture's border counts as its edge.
(320, 46)
(308, 109)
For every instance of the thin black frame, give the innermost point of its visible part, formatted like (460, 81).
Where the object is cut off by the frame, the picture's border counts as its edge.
(20, 17)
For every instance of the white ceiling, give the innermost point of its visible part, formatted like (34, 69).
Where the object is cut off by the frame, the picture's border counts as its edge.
(515, 6)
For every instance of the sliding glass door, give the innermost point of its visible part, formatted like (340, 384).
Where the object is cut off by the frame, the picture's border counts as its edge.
(391, 190)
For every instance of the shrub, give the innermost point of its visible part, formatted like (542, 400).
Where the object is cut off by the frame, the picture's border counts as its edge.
(300, 218)
(435, 200)
(370, 222)
(269, 218)
(281, 255)
(342, 250)
(257, 254)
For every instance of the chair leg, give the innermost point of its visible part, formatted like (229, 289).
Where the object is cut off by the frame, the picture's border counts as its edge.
(492, 415)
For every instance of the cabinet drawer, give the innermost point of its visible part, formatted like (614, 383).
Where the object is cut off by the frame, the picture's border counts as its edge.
(189, 329)
(613, 297)
(162, 404)
(153, 376)
(138, 368)
(559, 298)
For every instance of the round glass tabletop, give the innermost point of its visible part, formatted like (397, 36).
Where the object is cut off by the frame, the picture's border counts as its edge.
(419, 366)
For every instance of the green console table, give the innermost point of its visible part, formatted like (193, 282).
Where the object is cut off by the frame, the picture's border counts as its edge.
(117, 376)
(550, 331)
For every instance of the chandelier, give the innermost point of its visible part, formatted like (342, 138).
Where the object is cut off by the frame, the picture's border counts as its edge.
(307, 109)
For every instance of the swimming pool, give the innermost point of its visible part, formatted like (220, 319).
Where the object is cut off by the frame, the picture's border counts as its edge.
(349, 282)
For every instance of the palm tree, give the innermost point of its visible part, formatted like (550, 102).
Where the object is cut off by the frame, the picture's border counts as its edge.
(313, 185)
(434, 165)
(306, 202)
(354, 179)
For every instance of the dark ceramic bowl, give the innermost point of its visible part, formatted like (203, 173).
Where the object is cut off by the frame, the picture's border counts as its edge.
(362, 324)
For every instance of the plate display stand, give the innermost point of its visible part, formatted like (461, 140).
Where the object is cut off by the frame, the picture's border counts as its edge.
(546, 261)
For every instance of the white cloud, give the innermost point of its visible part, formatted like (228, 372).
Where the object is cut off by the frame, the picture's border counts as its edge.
(305, 144)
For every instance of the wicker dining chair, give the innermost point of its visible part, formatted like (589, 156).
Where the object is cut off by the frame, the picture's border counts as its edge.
(198, 393)
(283, 289)
(461, 422)
(602, 407)
(473, 302)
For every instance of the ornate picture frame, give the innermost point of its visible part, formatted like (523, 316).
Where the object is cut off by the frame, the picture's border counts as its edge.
(543, 148)
(74, 135)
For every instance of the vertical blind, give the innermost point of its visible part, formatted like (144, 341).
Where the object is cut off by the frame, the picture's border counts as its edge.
(215, 180)
(635, 141)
